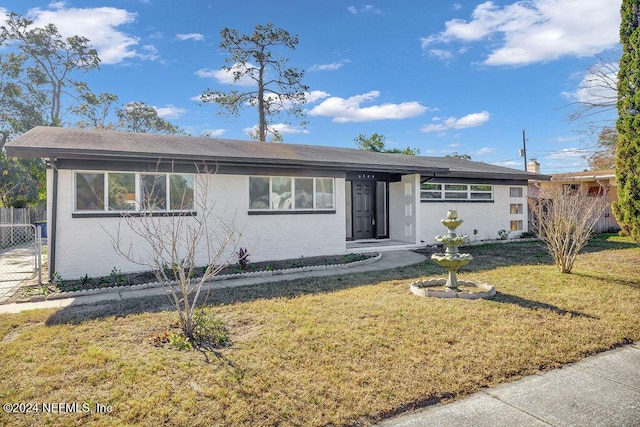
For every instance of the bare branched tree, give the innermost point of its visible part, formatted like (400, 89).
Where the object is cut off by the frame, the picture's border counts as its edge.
(598, 90)
(563, 215)
(174, 243)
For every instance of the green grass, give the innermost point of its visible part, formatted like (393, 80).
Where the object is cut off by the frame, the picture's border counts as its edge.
(340, 350)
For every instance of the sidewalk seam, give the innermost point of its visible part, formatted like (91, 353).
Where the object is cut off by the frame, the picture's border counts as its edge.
(487, 393)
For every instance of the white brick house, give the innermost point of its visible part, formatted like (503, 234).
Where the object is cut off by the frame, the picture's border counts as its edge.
(289, 200)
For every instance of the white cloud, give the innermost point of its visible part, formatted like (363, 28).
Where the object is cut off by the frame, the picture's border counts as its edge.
(567, 138)
(468, 121)
(213, 133)
(536, 30)
(483, 151)
(281, 128)
(315, 95)
(508, 164)
(191, 36)
(441, 53)
(329, 67)
(226, 76)
(567, 154)
(597, 87)
(170, 111)
(367, 8)
(350, 110)
(457, 6)
(98, 24)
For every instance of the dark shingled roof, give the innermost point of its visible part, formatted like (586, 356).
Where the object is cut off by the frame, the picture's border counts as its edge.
(65, 143)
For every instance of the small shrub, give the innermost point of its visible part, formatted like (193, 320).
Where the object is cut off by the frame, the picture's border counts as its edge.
(209, 331)
(179, 341)
(85, 280)
(116, 278)
(503, 234)
(475, 234)
(243, 258)
(58, 279)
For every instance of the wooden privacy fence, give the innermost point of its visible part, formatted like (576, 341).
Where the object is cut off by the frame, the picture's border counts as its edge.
(22, 215)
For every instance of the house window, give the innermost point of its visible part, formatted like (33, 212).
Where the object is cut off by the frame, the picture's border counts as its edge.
(516, 225)
(129, 191)
(90, 191)
(515, 191)
(279, 193)
(481, 192)
(455, 191)
(122, 191)
(430, 191)
(515, 208)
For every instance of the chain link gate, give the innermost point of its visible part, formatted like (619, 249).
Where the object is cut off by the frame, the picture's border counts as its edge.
(20, 256)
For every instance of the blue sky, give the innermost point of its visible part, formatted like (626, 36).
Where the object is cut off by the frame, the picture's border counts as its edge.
(460, 76)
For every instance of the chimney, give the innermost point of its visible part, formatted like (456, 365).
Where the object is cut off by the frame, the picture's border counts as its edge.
(533, 166)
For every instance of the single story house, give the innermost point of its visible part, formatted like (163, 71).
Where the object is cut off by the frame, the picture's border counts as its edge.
(290, 200)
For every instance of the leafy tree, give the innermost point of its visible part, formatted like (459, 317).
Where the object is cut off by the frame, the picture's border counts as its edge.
(376, 143)
(277, 90)
(455, 155)
(20, 181)
(627, 208)
(605, 156)
(21, 104)
(50, 59)
(140, 117)
(95, 110)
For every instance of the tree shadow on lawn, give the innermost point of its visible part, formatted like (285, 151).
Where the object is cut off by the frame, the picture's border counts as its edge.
(537, 305)
(75, 314)
(617, 281)
(486, 257)
(608, 241)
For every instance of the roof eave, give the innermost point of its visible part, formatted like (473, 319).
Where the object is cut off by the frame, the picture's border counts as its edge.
(235, 161)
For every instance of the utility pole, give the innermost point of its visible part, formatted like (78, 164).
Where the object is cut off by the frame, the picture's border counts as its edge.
(523, 150)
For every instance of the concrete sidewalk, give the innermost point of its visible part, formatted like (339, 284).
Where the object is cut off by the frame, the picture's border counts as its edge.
(601, 390)
(390, 259)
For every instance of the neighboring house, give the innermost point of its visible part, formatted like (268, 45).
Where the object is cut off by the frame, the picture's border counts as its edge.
(598, 184)
(290, 200)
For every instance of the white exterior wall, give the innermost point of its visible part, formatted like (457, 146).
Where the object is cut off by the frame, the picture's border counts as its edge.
(84, 245)
(404, 204)
(487, 218)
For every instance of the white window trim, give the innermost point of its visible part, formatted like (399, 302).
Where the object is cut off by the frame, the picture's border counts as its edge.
(137, 189)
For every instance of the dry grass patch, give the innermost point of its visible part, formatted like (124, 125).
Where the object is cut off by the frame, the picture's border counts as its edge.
(340, 350)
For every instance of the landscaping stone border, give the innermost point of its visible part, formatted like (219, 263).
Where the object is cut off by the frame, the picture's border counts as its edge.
(263, 273)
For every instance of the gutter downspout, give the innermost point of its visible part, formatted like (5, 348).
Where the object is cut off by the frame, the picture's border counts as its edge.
(54, 217)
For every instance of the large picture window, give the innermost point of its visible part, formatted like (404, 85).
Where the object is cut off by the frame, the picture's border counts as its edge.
(278, 193)
(430, 191)
(129, 191)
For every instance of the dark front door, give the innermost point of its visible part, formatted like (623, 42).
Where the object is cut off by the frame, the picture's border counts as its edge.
(363, 193)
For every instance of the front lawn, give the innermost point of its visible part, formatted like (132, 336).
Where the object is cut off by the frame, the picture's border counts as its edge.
(340, 350)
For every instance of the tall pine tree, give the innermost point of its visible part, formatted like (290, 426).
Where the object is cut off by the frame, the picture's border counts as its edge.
(627, 208)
